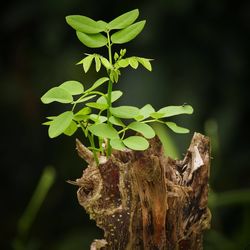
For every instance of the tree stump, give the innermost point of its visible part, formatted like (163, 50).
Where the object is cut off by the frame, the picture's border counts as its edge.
(145, 200)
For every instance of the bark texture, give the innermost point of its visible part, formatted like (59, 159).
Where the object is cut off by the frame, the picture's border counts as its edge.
(144, 200)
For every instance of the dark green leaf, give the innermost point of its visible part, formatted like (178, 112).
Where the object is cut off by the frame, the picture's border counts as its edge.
(123, 20)
(73, 87)
(142, 128)
(136, 143)
(104, 130)
(60, 124)
(127, 34)
(57, 94)
(92, 40)
(84, 24)
(126, 112)
(176, 110)
(177, 129)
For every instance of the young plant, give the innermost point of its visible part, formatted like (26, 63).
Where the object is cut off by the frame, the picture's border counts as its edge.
(93, 111)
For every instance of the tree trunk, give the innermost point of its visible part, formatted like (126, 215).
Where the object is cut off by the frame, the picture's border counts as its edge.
(145, 200)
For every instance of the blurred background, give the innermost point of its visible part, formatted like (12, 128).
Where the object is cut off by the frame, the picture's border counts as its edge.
(201, 57)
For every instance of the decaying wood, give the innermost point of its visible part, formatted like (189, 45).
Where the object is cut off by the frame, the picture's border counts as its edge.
(144, 200)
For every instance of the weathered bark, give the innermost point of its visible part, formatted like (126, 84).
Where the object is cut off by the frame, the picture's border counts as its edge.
(144, 200)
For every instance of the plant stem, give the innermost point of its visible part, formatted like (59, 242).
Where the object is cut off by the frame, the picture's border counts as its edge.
(110, 87)
(92, 143)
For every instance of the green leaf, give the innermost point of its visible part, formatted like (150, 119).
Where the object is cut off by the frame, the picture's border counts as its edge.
(73, 87)
(84, 24)
(124, 20)
(127, 34)
(57, 94)
(60, 124)
(157, 115)
(82, 114)
(136, 143)
(145, 63)
(142, 128)
(103, 25)
(95, 105)
(145, 112)
(104, 130)
(126, 112)
(133, 62)
(177, 129)
(46, 123)
(106, 63)
(116, 121)
(84, 99)
(123, 63)
(92, 40)
(98, 118)
(176, 110)
(97, 63)
(115, 95)
(97, 83)
(71, 129)
(117, 144)
(86, 62)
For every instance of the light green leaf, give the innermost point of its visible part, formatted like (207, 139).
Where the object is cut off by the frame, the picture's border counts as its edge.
(71, 129)
(97, 63)
(133, 62)
(123, 20)
(145, 112)
(136, 143)
(142, 128)
(117, 144)
(176, 110)
(82, 114)
(95, 105)
(98, 118)
(123, 63)
(92, 40)
(57, 94)
(103, 25)
(84, 99)
(116, 121)
(84, 24)
(46, 123)
(106, 63)
(145, 63)
(127, 34)
(60, 124)
(177, 129)
(104, 130)
(126, 112)
(97, 83)
(115, 95)
(157, 115)
(86, 62)
(73, 87)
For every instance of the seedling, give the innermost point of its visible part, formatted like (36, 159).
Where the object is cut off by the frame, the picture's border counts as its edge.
(93, 111)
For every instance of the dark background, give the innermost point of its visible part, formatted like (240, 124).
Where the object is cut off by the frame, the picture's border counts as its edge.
(201, 57)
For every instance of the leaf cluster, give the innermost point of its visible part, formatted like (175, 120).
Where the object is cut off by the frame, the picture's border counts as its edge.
(92, 110)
